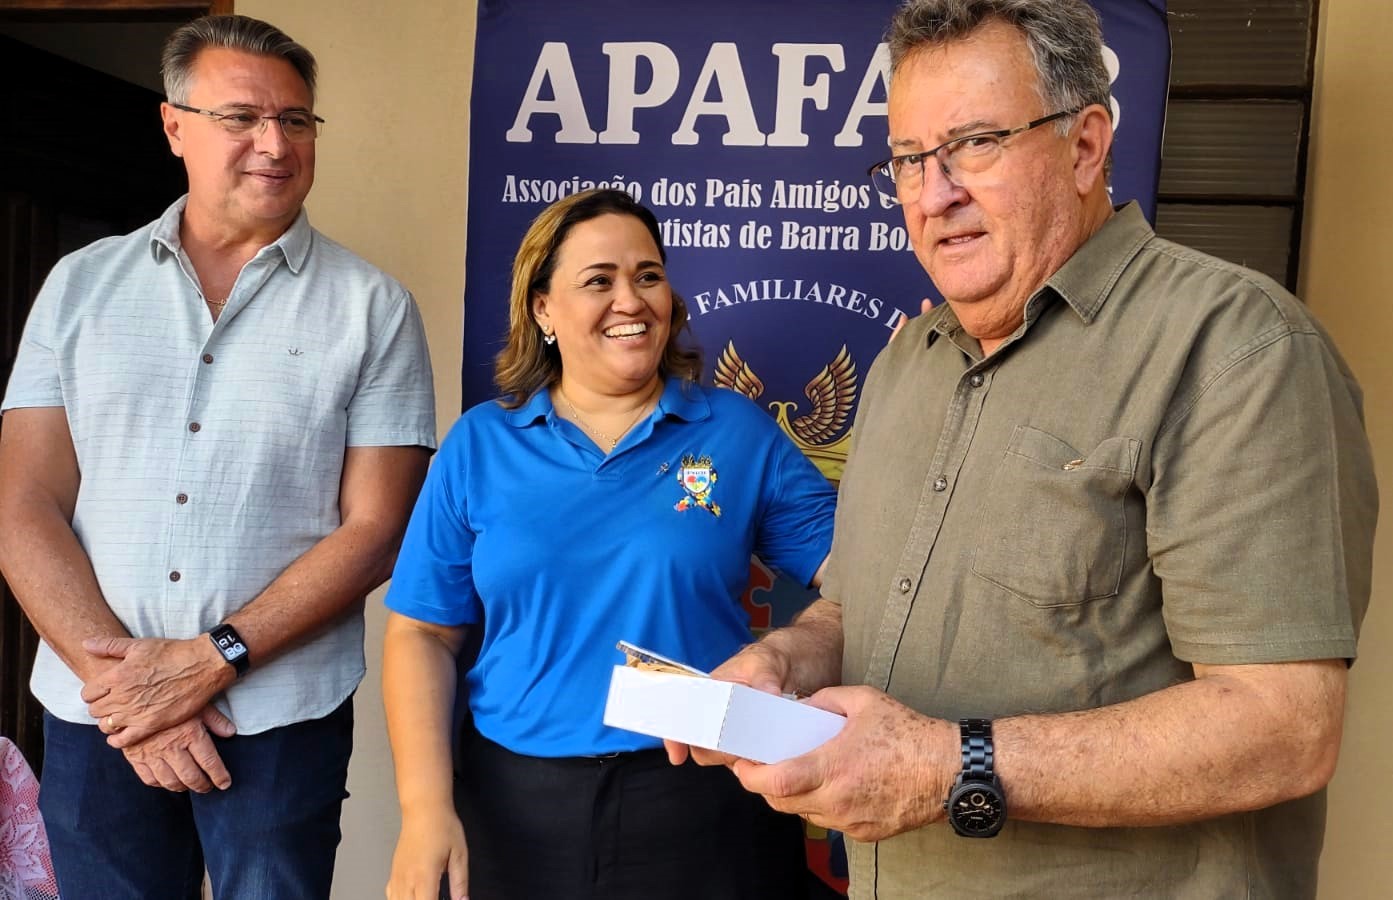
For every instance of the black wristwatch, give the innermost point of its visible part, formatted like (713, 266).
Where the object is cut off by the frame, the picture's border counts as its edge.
(976, 805)
(229, 644)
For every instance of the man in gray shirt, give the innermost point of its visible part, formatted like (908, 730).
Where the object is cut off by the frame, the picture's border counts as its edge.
(213, 436)
(1103, 544)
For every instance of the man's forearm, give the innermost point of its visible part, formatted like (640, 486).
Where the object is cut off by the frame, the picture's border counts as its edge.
(53, 581)
(320, 587)
(1237, 739)
(40, 555)
(379, 487)
(161, 682)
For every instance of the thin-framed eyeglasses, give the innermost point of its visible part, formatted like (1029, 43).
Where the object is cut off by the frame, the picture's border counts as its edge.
(297, 125)
(901, 178)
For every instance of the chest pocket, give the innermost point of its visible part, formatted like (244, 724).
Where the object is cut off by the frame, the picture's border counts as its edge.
(1054, 528)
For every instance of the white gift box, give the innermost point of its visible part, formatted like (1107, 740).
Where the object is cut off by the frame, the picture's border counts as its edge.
(717, 715)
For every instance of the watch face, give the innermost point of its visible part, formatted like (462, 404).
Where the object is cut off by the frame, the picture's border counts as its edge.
(231, 647)
(977, 809)
(229, 644)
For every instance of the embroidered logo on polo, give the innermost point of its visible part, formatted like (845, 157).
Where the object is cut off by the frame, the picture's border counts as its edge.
(697, 477)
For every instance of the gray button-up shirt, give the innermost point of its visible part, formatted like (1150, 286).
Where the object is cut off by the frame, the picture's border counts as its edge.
(1164, 465)
(211, 454)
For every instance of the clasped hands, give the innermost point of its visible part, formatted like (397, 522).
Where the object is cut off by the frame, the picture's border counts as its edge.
(879, 777)
(154, 704)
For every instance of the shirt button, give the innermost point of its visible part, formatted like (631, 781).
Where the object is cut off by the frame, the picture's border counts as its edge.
(905, 585)
(207, 357)
(194, 427)
(976, 380)
(940, 484)
(181, 499)
(174, 576)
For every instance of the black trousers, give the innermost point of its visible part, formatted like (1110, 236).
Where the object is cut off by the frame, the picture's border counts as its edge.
(614, 828)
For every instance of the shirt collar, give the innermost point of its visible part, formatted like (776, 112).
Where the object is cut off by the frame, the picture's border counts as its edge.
(166, 233)
(1087, 278)
(684, 400)
(942, 322)
(680, 398)
(294, 244)
(536, 409)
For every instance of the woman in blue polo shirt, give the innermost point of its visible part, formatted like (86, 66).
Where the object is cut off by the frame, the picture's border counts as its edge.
(606, 496)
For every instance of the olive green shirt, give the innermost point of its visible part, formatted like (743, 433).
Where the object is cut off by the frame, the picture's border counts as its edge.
(1165, 464)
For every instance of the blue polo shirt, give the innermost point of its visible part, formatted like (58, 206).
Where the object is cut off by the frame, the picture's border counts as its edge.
(558, 552)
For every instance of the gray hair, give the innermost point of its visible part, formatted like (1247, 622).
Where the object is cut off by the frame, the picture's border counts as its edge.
(1064, 37)
(233, 33)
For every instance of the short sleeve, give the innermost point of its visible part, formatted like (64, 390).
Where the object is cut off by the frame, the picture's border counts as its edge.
(795, 531)
(394, 403)
(35, 379)
(433, 580)
(1261, 509)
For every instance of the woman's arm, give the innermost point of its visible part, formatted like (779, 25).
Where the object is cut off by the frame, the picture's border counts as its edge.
(418, 689)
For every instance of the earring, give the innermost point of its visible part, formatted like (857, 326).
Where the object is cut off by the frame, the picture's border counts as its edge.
(548, 338)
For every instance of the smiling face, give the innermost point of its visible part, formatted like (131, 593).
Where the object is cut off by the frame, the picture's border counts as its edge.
(242, 185)
(990, 245)
(609, 305)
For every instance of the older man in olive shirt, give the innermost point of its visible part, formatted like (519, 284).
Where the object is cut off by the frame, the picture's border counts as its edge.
(1115, 497)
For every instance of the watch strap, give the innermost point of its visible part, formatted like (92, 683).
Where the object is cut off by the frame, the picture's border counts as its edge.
(978, 754)
(977, 783)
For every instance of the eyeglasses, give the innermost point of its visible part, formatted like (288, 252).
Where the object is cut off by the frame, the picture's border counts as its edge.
(901, 178)
(297, 126)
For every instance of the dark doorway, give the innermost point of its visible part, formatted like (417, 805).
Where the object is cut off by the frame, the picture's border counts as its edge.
(81, 157)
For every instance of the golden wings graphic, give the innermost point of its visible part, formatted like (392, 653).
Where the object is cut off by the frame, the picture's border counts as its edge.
(822, 434)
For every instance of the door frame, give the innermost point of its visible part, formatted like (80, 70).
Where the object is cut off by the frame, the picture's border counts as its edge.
(112, 10)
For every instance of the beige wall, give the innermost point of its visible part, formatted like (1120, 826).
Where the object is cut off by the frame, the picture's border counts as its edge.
(392, 183)
(1347, 273)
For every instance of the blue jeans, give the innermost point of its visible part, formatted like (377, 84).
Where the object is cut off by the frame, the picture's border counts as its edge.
(272, 835)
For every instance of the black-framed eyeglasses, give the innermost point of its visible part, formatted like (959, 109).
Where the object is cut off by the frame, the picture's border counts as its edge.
(297, 125)
(901, 178)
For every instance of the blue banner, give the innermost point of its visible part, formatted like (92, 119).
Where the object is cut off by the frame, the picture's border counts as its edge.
(748, 130)
(747, 126)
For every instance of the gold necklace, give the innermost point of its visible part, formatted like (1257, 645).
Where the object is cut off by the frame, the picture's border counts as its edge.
(217, 304)
(613, 441)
